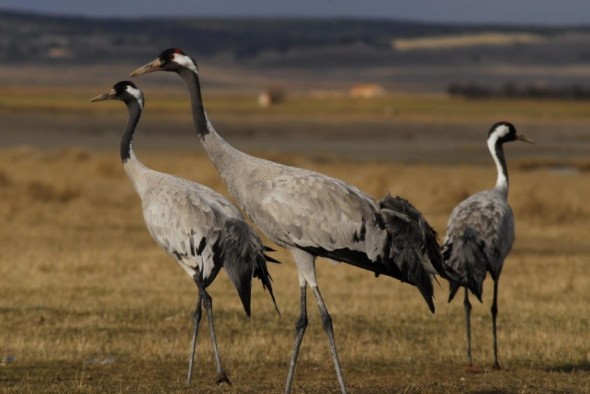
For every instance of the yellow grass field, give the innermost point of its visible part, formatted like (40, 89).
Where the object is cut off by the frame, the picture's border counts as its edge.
(89, 304)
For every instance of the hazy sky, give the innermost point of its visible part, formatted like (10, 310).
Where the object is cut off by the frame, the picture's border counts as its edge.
(497, 11)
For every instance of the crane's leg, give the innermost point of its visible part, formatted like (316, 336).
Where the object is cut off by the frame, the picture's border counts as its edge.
(494, 314)
(300, 327)
(467, 306)
(306, 270)
(197, 321)
(327, 323)
(208, 304)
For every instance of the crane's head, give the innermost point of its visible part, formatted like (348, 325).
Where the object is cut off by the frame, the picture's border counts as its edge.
(125, 91)
(505, 132)
(172, 59)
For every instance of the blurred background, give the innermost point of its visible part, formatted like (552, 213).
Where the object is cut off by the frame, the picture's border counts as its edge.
(385, 79)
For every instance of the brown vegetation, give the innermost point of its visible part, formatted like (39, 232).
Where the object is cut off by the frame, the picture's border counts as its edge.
(89, 304)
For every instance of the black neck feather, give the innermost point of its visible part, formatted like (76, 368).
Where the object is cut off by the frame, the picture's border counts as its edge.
(198, 110)
(134, 114)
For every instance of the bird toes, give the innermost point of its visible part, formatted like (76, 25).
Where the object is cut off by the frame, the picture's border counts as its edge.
(222, 378)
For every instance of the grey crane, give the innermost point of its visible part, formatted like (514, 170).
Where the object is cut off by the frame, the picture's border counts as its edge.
(480, 233)
(313, 215)
(195, 225)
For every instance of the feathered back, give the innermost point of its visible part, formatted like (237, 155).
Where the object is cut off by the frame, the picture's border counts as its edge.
(240, 251)
(413, 244)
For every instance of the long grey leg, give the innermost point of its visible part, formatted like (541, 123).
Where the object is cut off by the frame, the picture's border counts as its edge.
(327, 323)
(494, 314)
(197, 321)
(467, 306)
(300, 327)
(208, 304)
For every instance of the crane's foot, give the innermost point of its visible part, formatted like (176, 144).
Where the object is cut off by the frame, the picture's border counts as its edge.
(496, 366)
(471, 369)
(222, 378)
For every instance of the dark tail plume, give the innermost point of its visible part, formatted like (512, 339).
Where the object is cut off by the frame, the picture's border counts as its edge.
(240, 251)
(465, 261)
(413, 244)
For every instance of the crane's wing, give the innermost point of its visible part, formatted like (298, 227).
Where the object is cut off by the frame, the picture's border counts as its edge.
(186, 225)
(310, 210)
(205, 232)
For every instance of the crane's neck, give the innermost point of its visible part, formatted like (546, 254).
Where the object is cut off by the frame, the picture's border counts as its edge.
(227, 159)
(200, 119)
(497, 152)
(126, 148)
(133, 167)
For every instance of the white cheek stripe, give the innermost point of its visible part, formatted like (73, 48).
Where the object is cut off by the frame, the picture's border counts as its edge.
(502, 181)
(137, 94)
(185, 61)
(501, 131)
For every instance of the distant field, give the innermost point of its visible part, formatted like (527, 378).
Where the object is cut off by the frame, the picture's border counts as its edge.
(414, 128)
(89, 304)
(466, 40)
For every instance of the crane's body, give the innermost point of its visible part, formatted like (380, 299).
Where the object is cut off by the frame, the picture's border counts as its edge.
(311, 215)
(480, 234)
(195, 225)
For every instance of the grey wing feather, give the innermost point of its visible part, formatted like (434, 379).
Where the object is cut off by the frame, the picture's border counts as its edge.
(309, 210)
(185, 219)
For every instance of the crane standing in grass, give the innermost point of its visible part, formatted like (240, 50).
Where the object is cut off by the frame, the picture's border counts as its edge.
(313, 215)
(480, 233)
(194, 224)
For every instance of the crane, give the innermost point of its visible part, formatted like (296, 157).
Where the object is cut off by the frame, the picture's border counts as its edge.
(195, 225)
(313, 215)
(480, 234)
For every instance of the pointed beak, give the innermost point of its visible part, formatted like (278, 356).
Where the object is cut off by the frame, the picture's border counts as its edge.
(155, 65)
(522, 137)
(104, 96)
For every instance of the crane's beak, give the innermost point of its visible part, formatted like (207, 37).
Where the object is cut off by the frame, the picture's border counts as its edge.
(522, 137)
(104, 96)
(155, 65)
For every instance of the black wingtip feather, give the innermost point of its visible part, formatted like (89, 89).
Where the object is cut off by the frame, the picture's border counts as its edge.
(413, 241)
(261, 272)
(271, 260)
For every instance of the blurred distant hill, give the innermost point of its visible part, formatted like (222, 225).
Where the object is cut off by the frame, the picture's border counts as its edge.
(27, 38)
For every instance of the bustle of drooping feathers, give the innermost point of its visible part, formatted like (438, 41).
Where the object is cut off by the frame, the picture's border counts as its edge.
(414, 244)
(243, 258)
(411, 244)
(466, 262)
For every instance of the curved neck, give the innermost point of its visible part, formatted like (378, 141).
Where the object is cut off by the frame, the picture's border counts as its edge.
(126, 141)
(198, 110)
(497, 153)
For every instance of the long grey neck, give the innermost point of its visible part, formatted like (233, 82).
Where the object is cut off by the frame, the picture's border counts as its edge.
(198, 110)
(225, 157)
(497, 151)
(126, 147)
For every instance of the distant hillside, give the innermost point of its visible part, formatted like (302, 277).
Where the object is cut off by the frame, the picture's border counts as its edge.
(33, 38)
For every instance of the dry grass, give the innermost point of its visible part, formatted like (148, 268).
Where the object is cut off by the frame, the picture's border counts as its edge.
(89, 304)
